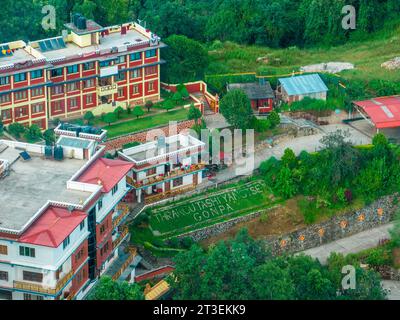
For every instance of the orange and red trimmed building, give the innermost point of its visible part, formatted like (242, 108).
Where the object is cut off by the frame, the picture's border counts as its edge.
(90, 67)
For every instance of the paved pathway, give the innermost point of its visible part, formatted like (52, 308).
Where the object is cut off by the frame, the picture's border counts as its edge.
(356, 243)
(307, 143)
(393, 289)
(353, 244)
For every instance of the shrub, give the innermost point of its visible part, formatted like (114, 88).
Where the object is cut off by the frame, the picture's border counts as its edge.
(138, 112)
(110, 118)
(183, 91)
(168, 105)
(49, 137)
(261, 125)
(16, 129)
(274, 119)
(118, 111)
(194, 113)
(187, 242)
(177, 97)
(89, 117)
(33, 132)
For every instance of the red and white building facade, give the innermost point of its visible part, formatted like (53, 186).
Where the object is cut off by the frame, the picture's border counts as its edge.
(88, 68)
(60, 234)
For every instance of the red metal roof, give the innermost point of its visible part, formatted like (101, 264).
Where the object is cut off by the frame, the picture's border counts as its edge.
(52, 227)
(384, 111)
(106, 172)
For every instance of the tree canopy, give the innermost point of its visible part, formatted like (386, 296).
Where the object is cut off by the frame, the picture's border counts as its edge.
(241, 269)
(235, 107)
(107, 289)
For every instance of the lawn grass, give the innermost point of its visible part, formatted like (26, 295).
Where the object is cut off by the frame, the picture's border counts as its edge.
(135, 125)
(366, 55)
(210, 208)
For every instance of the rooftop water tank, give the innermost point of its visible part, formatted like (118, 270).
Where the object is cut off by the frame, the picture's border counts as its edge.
(58, 153)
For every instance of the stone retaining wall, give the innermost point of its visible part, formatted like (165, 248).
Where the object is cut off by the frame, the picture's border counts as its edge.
(378, 213)
(141, 136)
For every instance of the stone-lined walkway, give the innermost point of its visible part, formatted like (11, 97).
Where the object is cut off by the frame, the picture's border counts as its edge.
(353, 244)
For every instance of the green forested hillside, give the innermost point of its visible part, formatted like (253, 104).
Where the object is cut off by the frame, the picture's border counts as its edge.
(274, 23)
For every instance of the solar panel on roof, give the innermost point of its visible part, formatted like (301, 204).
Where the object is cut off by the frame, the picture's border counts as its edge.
(61, 42)
(42, 46)
(25, 155)
(48, 45)
(54, 44)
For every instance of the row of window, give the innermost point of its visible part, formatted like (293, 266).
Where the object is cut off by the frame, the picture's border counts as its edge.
(22, 111)
(22, 77)
(21, 95)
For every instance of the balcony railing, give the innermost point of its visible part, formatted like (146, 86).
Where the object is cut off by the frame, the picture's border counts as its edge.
(157, 179)
(124, 208)
(132, 255)
(169, 194)
(122, 235)
(107, 90)
(42, 289)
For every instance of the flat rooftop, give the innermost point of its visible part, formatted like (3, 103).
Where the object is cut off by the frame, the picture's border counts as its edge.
(154, 149)
(19, 56)
(31, 184)
(106, 43)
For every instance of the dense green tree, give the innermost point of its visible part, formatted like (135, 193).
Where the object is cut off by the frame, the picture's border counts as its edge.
(168, 105)
(110, 118)
(289, 158)
(187, 60)
(342, 157)
(274, 119)
(235, 107)
(16, 129)
(89, 117)
(138, 112)
(271, 282)
(242, 269)
(33, 132)
(119, 111)
(49, 137)
(285, 185)
(108, 289)
(194, 113)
